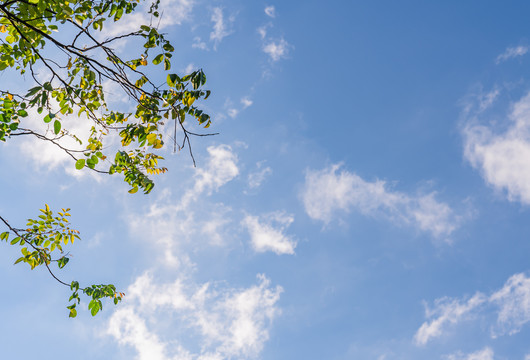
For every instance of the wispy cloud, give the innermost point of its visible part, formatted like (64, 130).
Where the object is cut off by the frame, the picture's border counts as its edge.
(446, 311)
(484, 354)
(511, 304)
(270, 11)
(175, 12)
(221, 27)
(503, 156)
(246, 102)
(512, 52)
(513, 300)
(330, 191)
(267, 232)
(225, 322)
(255, 179)
(277, 49)
(171, 222)
(262, 31)
(199, 44)
(220, 169)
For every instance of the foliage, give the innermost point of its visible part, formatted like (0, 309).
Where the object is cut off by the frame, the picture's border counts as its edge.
(32, 41)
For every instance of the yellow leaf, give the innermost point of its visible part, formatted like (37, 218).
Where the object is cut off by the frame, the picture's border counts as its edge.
(3, 29)
(151, 138)
(10, 97)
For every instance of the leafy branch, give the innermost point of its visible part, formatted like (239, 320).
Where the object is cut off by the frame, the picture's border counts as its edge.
(45, 237)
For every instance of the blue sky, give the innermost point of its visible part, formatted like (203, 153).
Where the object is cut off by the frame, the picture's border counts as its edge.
(367, 197)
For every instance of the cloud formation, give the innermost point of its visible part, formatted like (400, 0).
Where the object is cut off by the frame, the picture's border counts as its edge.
(503, 156)
(224, 322)
(221, 26)
(512, 52)
(256, 178)
(329, 192)
(446, 311)
(270, 11)
(277, 49)
(511, 304)
(174, 12)
(267, 232)
(172, 222)
(484, 354)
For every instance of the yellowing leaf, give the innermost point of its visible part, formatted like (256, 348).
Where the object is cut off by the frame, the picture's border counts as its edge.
(151, 138)
(3, 29)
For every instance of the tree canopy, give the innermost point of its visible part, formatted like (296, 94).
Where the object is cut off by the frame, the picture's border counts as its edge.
(63, 50)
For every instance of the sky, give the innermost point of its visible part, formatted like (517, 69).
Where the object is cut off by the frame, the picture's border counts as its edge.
(367, 196)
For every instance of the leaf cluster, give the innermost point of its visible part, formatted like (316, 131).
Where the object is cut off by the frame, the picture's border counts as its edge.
(42, 243)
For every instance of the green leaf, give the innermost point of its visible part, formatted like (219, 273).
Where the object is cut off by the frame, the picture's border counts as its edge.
(62, 262)
(49, 117)
(73, 313)
(172, 80)
(94, 306)
(158, 59)
(33, 91)
(79, 164)
(57, 127)
(4, 235)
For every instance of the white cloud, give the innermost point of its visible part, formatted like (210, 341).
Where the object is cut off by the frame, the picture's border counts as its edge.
(512, 52)
(220, 27)
(225, 322)
(513, 300)
(262, 31)
(172, 12)
(447, 311)
(277, 49)
(503, 157)
(255, 179)
(199, 44)
(246, 101)
(484, 354)
(511, 304)
(47, 156)
(173, 223)
(221, 168)
(328, 192)
(190, 68)
(232, 112)
(270, 11)
(130, 329)
(267, 232)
